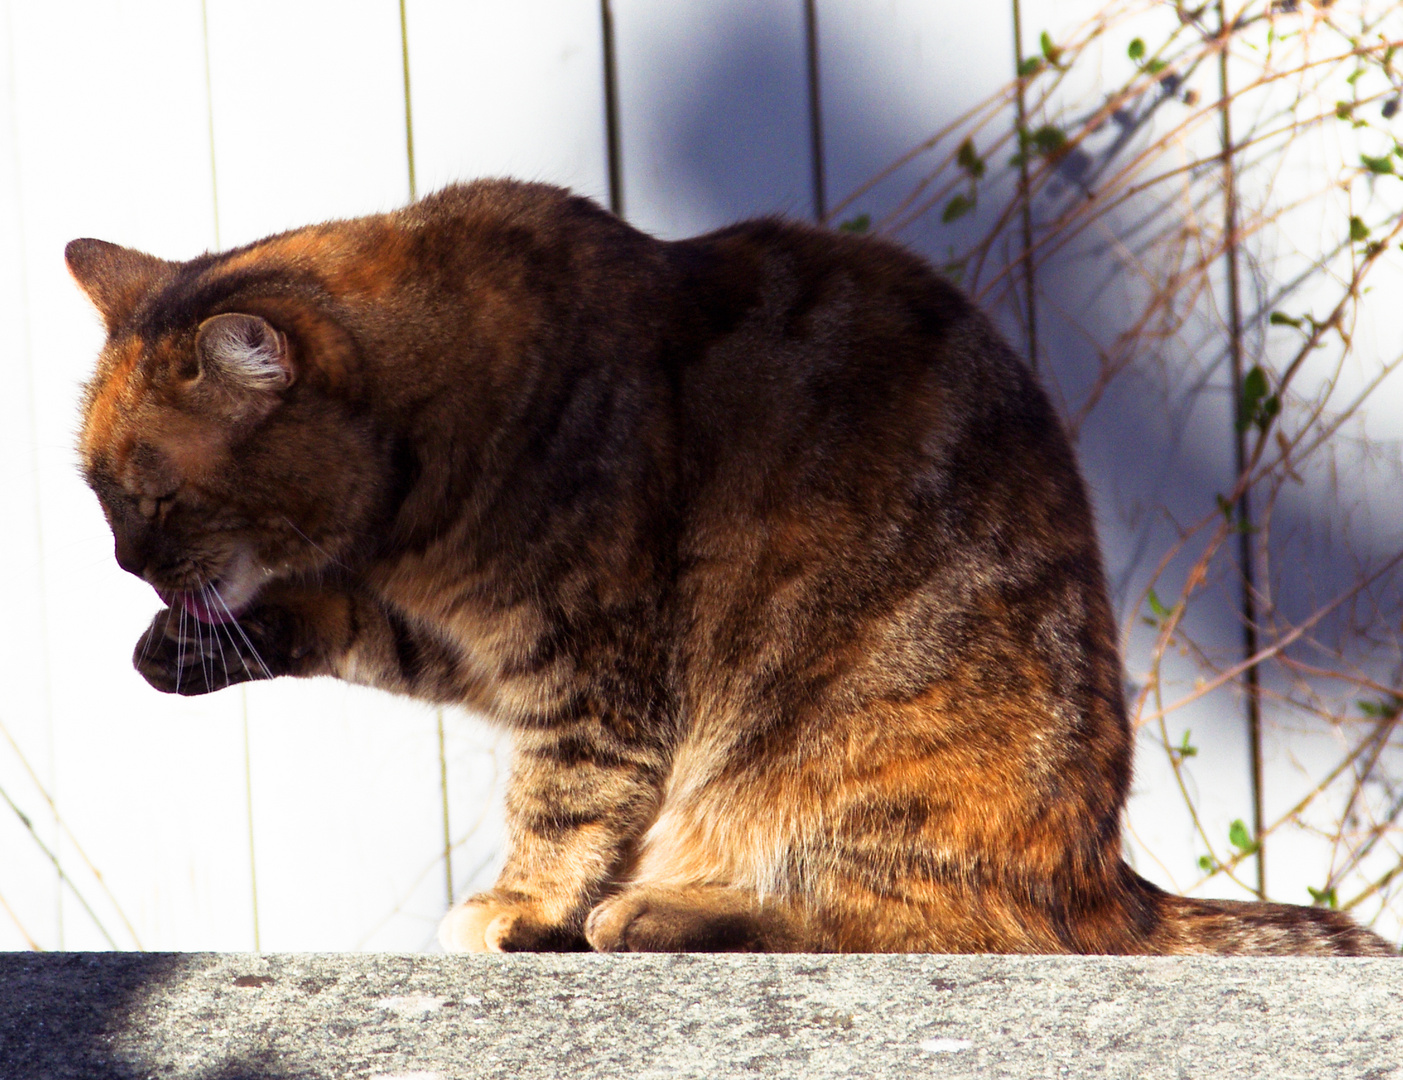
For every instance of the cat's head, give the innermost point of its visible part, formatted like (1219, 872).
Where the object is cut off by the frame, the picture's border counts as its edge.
(221, 461)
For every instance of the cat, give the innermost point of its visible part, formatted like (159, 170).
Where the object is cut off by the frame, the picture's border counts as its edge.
(770, 553)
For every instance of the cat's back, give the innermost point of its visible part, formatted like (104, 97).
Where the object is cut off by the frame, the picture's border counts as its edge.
(816, 346)
(824, 371)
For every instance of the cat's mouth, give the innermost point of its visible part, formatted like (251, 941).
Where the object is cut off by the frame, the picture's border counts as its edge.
(207, 604)
(222, 600)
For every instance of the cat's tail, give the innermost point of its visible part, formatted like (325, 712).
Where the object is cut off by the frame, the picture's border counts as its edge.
(1237, 928)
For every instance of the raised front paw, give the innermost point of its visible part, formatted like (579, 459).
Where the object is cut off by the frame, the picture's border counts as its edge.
(180, 654)
(491, 922)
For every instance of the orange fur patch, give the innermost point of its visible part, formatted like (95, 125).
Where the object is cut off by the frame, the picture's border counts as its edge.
(114, 397)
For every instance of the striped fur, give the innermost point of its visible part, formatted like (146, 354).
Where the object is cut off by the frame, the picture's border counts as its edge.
(768, 550)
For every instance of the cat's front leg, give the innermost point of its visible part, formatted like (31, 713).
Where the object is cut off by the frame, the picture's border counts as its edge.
(305, 630)
(578, 801)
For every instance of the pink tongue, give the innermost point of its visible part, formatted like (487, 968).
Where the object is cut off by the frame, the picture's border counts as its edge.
(195, 604)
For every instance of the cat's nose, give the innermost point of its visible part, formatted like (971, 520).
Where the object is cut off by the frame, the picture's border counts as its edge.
(131, 556)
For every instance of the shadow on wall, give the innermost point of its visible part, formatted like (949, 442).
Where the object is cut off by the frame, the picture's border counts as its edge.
(1158, 448)
(76, 1017)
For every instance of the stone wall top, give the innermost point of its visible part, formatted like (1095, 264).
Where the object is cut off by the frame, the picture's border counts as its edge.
(122, 1016)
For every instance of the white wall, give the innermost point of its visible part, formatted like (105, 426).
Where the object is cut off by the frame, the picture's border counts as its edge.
(175, 127)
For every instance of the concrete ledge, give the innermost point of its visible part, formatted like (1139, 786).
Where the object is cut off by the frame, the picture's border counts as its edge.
(123, 1016)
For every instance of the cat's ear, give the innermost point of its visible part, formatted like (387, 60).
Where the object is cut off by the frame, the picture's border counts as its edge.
(246, 351)
(115, 278)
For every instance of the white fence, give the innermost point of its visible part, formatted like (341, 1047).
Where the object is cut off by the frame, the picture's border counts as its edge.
(310, 816)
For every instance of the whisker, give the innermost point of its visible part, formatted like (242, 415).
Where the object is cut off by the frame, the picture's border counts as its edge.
(317, 547)
(216, 630)
(205, 661)
(146, 643)
(267, 672)
(199, 638)
(180, 648)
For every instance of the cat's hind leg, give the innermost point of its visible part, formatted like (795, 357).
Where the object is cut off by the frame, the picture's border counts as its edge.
(705, 918)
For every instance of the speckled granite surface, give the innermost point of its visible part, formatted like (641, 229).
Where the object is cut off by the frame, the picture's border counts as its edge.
(123, 1016)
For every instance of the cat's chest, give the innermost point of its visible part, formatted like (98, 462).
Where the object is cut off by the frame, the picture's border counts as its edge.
(509, 653)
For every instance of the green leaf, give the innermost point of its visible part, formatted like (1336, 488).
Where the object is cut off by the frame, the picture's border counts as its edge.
(1048, 140)
(1280, 318)
(1344, 109)
(1241, 839)
(1156, 605)
(1154, 67)
(1383, 166)
(968, 160)
(1185, 749)
(957, 207)
(1357, 229)
(1271, 406)
(1229, 511)
(1137, 50)
(1380, 710)
(1051, 51)
(1249, 402)
(1207, 864)
(859, 224)
(1324, 897)
(1030, 66)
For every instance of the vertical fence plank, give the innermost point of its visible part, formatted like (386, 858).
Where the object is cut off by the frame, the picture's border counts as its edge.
(501, 90)
(344, 781)
(308, 113)
(508, 90)
(29, 886)
(892, 74)
(108, 139)
(713, 106)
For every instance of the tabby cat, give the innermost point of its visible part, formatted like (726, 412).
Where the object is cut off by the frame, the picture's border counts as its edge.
(769, 552)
